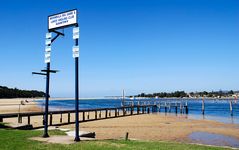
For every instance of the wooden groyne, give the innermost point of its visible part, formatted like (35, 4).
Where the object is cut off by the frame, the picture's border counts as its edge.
(98, 113)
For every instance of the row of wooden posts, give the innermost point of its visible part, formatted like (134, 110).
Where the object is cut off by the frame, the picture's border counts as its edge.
(183, 106)
(108, 113)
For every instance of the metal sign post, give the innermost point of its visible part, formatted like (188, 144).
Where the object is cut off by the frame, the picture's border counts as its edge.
(76, 56)
(46, 73)
(47, 61)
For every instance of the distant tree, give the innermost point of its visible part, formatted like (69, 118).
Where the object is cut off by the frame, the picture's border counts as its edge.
(6, 92)
(230, 92)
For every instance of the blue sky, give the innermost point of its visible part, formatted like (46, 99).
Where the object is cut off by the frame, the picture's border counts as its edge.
(140, 46)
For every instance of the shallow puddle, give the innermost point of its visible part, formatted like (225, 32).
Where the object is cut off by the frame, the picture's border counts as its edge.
(213, 139)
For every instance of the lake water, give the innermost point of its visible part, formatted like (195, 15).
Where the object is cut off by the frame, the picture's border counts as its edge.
(218, 110)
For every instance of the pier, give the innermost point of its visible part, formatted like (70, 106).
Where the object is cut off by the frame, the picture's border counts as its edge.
(86, 115)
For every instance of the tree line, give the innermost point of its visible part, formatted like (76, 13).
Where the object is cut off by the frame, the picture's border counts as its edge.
(213, 94)
(6, 92)
(164, 94)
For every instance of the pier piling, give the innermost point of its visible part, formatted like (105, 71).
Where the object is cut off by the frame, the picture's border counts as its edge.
(231, 108)
(83, 116)
(96, 115)
(69, 117)
(61, 118)
(28, 120)
(50, 118)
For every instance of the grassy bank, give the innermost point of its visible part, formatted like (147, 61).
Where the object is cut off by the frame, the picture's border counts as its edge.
(19, 140)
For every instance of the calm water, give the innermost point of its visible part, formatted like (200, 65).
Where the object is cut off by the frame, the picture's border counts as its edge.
(218, 110)
(213, 139)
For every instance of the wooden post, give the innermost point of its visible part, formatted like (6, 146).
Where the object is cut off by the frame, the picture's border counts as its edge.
(186, 107)
(181, 111)
(96, 115)
(131, 111)
(115, 112)
(83, 117)
(106, 113)
(148, 110)
(110, 113)
(100, 114)
(203, 106)
(50, 119)
(126, 136)
(138, 109)
(176, 109)
(1, 119)
(19, 118)
(28, 120)
(69, 117)
(43, 121)
(61, 118)
(231, 108)
(88, 115)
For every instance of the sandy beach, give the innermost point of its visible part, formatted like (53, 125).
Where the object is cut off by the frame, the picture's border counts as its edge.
(145, 127)
(156, 127)
(141, 127)
(12, 105)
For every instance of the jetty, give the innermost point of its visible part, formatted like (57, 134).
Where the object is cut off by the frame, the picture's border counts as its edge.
(99, 113)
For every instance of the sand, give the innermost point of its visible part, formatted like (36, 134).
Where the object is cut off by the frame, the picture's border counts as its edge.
(12, 105)
(156, 127)
(141, 127)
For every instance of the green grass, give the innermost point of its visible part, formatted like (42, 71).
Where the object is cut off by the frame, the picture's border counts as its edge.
(19, 140)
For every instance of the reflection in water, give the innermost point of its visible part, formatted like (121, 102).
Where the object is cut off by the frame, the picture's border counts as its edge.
(213, 139)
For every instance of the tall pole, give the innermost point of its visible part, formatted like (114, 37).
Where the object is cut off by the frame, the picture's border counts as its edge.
(77, 138)
(47, 100)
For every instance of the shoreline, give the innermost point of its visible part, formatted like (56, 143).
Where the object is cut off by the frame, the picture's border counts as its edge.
(153, 127)
(17, 100)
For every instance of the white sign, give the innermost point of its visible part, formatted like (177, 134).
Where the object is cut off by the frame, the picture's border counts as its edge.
(48, 35)
(47, 60)
(62, 19)
(47, 57)
(47, 54)
(76, 33)
(75, 54)
(75, 50)
(48, 41)
(47, 48)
